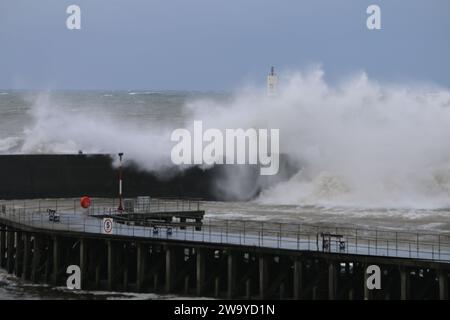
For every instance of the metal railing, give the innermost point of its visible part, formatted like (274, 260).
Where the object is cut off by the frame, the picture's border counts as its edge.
(104, 206)
(375, 242)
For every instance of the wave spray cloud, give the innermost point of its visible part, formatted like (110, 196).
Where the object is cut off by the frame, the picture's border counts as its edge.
(236, 146)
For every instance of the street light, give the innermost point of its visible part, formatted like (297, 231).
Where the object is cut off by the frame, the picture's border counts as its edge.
(120, 208)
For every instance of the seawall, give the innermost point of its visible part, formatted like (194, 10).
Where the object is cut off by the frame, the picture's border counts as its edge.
(58, 176)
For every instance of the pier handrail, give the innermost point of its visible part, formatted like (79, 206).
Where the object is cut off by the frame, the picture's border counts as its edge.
(381, 242)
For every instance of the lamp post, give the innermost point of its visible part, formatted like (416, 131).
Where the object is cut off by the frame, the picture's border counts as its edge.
(120, 208)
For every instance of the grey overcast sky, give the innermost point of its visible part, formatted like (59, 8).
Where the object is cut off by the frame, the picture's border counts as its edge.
(217, 44)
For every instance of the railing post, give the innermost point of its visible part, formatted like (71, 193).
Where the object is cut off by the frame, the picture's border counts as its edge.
(209, 228)
(281, 226)
(396, 243)
(439, 248)
(262, 234)
(226, 232)
(376, 241)
(417, 245)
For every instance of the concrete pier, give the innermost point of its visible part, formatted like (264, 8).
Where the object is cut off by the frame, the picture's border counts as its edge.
(110, 262)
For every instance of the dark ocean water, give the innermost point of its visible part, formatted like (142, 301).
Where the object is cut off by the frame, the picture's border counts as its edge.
(29, 120)
(12, 288)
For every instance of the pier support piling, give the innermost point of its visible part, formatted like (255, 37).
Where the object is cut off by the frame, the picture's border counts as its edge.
(443, 284)
(56, 260)
(36, 258)
(26, 256)
(111, 264)
(282, 290)
(201, 274)
(10, 251)
(19, 254)
(314, 292)
(97, 276)
(170, 269)
(351, 294)
(263, 276)
(404, 284)
(2, 247)
(186, 284)
(331, 281)
(83, 263)
(248, 289)
(367, 295)
(231, 274)
(140, 264)
(298, 284)
(216, 287)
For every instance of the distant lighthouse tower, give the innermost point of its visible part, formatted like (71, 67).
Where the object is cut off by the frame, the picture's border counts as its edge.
(272, 83)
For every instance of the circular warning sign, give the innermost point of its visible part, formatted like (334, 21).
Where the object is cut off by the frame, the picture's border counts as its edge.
(107, 226)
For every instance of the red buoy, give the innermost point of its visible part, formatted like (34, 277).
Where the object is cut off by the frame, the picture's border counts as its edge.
(85, 202)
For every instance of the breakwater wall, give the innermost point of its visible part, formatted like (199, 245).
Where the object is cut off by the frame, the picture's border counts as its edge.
(60, 176)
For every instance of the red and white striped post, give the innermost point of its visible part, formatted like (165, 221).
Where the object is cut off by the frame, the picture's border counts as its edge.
(120, 208)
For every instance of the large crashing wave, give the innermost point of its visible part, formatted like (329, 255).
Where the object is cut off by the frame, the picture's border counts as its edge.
(358, 142)
(56, 129)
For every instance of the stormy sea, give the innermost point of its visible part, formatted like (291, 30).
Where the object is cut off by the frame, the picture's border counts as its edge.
(368, 154)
